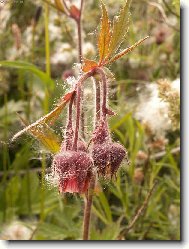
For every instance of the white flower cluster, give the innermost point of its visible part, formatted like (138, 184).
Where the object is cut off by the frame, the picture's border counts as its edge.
(4, 16)
(153, 112)
(16, 231)
(64, 54)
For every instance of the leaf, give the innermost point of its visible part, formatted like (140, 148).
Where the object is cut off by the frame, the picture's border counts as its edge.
(42, 131)
(88, 65)
(59, 5)
(120, 28)
(126, 51)
(45, 135)
(31, 68)
(104, 35)
(105, 205)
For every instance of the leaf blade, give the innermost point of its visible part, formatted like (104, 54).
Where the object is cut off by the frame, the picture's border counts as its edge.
(88, 65)
(45, 135)
(104, 35)
(40, 128)
(120, 28)
(29, 67)
(126, 51)
(59, 5)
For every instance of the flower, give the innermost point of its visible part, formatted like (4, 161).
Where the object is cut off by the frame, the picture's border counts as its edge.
(74, 171)
(107, 155)
(16, 231)
(88, 49)
(153, 112)
(64, 54)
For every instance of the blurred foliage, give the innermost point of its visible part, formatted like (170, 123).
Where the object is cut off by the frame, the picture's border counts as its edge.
(25, 88)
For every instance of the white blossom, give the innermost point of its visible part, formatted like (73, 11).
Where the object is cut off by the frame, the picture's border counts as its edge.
(16, 231)
(153, 111)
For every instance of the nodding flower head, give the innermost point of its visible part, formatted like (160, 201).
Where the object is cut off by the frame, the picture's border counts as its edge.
(74, 170)
(107, 155)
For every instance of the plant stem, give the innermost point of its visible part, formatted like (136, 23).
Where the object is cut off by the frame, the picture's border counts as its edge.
(47, 54)
(79, 41)
(80, 56)
(69, 128)
(47, 45)
(104, 99)
(80, 51)
(97, 99)
(78, 107)
(88, 203)
(42, 202)
(87, 211)
(139, 212)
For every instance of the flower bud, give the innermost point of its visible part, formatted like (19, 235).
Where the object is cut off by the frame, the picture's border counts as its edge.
(74, 170)
(108, 157)
(117, 154)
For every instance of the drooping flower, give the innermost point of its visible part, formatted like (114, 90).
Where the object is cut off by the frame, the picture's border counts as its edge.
(73, 164)
(74, 170)
(107, 155)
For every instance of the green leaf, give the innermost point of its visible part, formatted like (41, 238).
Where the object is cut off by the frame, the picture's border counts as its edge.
(59, 5)
(31, 68)
(41, 130)
(105, 205)
(127, 50)
(110, 232)
(120, 28)
(104, 35)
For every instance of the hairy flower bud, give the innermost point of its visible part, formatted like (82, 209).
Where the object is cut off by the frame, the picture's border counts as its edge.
(117, 154)
(107, 155)
(74, 170)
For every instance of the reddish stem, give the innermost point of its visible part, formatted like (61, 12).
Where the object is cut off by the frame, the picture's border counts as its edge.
(87, 211)
(69, 128)
(70, 112)
(104, 99)
(97, 99)
(79, 41)
(78, 115)
(80, 56)
(78, 107)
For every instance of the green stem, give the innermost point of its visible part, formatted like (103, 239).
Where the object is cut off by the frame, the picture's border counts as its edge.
(28, 190)
(42, 214)
(47, 45)
(47, 55)
(5, 159)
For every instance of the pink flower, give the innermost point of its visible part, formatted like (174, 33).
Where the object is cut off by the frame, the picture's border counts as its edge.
(107, 155)
(74, 170)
